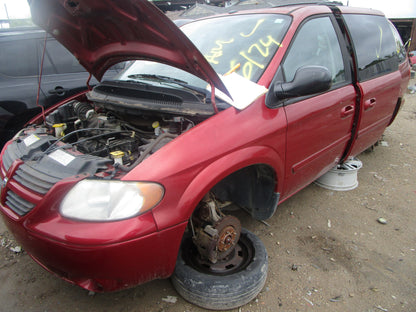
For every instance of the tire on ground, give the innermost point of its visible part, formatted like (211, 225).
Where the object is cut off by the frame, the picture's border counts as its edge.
(223, 292)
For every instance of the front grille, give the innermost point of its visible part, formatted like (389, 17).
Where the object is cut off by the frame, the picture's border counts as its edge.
(8, 157)
(29, 173)
(34, 179)
(18, 204)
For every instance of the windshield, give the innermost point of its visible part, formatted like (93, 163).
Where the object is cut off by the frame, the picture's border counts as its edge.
(247, 42)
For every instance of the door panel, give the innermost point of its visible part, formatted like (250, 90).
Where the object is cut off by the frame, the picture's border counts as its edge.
(378, 103)
(377, 55)
(319, 127)
(317, 136)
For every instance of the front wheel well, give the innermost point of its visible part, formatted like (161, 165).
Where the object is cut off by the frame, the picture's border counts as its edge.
(252, 188)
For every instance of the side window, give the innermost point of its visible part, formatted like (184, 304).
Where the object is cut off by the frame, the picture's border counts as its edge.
(316, 43)
(58, 60)
(18, 58)
(374, 44)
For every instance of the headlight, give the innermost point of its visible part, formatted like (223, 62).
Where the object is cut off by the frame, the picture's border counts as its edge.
(98, 200)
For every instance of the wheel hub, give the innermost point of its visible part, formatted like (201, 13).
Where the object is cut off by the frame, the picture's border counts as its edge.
(226, 239)
(215, 234)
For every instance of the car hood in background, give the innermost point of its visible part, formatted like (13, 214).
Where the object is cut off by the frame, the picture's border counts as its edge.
(101, 33)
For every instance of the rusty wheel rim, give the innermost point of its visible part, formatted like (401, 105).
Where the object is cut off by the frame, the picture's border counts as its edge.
(240, 257)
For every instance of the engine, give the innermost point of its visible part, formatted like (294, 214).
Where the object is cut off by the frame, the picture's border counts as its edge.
(124, 140)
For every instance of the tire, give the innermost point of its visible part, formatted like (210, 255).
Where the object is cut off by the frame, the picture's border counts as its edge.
(225, 288)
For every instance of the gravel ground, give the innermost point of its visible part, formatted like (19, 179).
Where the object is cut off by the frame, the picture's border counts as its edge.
(327, 251)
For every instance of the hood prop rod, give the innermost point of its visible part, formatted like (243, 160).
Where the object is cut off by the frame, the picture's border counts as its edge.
(40, 78)
(214, 105)
(88, 82)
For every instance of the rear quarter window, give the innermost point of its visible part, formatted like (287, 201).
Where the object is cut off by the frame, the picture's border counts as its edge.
(58, 60)
(18, 58)
(374, 43)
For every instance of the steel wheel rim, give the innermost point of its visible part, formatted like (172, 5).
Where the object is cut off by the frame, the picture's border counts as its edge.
(236, 261)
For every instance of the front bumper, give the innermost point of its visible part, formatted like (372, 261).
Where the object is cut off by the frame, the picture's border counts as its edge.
(98, 256)
(86, 261)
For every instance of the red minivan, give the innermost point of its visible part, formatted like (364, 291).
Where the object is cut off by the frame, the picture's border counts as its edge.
(131, 181)
(412, 57)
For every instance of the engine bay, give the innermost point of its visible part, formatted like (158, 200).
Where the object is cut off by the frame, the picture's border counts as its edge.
(92, 133)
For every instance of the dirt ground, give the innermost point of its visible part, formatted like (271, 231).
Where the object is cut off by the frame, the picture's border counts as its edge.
(327, 252)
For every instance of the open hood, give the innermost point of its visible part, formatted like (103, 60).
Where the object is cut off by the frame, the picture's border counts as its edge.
(101, 33)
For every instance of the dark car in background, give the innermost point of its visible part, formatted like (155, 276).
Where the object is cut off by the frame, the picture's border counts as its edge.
(20, 63)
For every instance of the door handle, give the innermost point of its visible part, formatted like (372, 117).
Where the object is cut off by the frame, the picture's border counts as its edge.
(347, 111)
(369, 103)
(58, 91)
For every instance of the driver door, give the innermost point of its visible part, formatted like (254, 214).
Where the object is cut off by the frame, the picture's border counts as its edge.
(318, 126)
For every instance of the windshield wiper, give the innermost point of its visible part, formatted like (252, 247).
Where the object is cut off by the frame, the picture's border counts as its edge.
(158, 78)
(132, 81)
(165, 79)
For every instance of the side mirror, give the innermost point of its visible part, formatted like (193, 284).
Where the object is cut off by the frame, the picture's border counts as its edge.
(308, 80)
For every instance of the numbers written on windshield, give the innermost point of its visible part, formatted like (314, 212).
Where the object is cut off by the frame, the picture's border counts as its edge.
(253, 49)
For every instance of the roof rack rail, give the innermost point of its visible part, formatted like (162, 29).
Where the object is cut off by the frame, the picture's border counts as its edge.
(291, 2)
